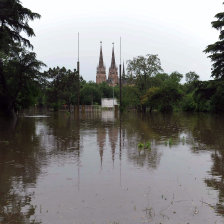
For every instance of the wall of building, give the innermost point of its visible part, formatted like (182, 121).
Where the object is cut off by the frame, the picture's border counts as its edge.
(108, 102)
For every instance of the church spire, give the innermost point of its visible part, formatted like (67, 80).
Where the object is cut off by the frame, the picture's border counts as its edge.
(101, 69)
(113, 75)
(113, 64)
(101, 56)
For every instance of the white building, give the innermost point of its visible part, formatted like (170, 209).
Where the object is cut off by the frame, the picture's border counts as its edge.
(108, 102)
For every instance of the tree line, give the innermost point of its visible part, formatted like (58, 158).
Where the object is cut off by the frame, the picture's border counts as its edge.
(145, 86)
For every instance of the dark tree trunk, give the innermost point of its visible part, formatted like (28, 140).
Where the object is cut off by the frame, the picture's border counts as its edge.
(143, 108)
(2, 78)
(6, 103)
(7, 106)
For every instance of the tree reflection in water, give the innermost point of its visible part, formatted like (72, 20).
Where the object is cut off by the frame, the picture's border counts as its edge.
(20, 164)
(28, 145)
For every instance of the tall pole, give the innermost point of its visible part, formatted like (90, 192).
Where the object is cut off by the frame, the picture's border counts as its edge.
(78, 70)
(120, 77)
(113, 83)
(113, 97)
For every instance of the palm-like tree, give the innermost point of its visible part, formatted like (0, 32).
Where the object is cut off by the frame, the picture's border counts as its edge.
(13, 20)
(19, 68)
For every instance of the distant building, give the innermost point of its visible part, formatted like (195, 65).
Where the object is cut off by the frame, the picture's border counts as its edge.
(113, 74)
(101, 70)
(108, 102)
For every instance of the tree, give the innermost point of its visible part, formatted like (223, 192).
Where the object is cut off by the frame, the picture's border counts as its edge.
(105, 90)
(191, 77)
(217, 100)
(14, 20)
(19, 68)
(188, 102)
(176, 77)
(142, 68)
(63, 87)
(90, 94)
(21, 79)
(69, 88)
(166, 96)
(150, 98)
(204, 90)
(216, 50)
(130, 97)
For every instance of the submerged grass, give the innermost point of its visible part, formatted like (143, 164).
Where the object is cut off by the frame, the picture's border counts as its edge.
(148, 145)
(141, 145)
(170, 141)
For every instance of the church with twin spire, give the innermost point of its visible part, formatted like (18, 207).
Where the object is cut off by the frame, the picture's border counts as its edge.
(101, 76)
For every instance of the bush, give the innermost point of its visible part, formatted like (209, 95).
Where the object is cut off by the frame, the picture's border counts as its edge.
(188, 103)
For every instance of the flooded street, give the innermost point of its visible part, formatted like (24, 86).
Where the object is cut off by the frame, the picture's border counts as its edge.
(61, 169)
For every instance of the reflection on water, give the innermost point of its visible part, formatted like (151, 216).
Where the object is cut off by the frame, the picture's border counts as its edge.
(56, 168)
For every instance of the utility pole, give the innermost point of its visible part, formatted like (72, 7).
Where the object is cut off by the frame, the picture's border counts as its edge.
(120, 112)
(78, 70)
(120, 77)
(112, 81)
(113, 97)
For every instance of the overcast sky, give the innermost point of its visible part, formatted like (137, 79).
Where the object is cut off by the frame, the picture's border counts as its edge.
(177, 30)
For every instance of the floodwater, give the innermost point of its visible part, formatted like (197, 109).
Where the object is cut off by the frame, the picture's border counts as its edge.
(61, 169)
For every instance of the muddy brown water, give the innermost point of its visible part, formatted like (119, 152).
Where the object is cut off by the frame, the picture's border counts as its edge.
(61, 169)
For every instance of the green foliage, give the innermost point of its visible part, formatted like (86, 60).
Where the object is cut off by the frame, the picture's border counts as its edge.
(148, 145)
(175, 77)
(106, 91)
(216, 50)
(14, 20)
(23, 85)
(209, 96)
(165, 97)
(150, 98)
(202, 95)
(217, 100)
(158, 79)
(154, 90)
(63, 87)
(90, 94)
(168, 98)
(188, 103)
(20, 79)
(130, 97)
(140, 145)
(144, 66)
(191, 77)
(20, 76)
(141, 68)
(140, 72)
(170, 141)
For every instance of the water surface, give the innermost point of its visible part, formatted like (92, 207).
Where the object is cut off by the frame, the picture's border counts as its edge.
(61, 169)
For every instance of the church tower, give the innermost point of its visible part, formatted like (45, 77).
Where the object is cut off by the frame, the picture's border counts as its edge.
(101, 69)
(113, 75)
